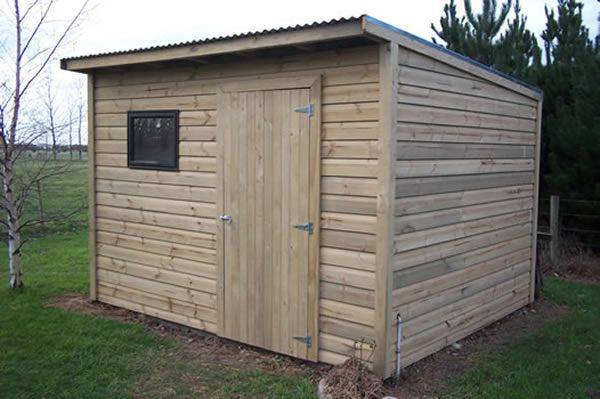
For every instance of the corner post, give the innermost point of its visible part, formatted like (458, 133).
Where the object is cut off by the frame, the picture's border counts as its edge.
(91, 154)
(388, 105)
(536, 193)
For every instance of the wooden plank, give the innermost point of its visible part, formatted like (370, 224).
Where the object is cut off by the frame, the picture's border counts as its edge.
(186, 118)
(156, 190)
(461, 167)
(348, 277)
(177, 236)
(91, 188)
(428, 220)
(429, 150)
(424, 238)
(443, 250)
(352, 259)
(458, 183)
(158, 219)
(347, 294)
(354, 112)
(348, 240)
(349, 149)
(198, 209)
(436, 202)
(349, 186)
(192, 179)
(344, 311)
(417, 131)
(349, 167)
(353, 93)
(182, 103)
(345, 329)
(349, 131)
(346, 347)
(410, 94)
(348, 222)
(536, 193)
(348, 204)
(388, 99)
(442, 116)
(445, 268)
(413, 59)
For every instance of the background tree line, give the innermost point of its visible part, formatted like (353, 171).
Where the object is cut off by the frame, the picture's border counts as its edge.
(564, 62)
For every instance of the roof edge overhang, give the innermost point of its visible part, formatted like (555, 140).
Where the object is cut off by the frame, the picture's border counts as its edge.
(345, 28)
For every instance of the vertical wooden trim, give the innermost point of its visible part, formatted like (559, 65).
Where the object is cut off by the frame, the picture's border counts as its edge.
(314, 212)
(91, 153)
(388, 104)
(536, 193)
(220, 244)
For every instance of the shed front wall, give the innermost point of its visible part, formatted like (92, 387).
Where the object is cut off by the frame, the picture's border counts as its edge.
(155, 247)
(464, 207)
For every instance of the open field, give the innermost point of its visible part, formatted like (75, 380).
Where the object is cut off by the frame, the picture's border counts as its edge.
(53, 352)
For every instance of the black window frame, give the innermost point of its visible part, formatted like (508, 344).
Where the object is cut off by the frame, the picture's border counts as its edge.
(136, 164)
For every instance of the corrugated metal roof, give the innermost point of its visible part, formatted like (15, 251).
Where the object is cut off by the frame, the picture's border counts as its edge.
(224, 38)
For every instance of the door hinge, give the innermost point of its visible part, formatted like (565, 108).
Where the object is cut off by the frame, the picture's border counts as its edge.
(306, 339)
(308, 227)
(308, 109)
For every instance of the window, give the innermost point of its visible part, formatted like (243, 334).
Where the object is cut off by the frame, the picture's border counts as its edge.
(153, 138)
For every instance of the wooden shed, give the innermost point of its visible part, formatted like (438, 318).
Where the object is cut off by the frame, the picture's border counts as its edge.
(297, 189)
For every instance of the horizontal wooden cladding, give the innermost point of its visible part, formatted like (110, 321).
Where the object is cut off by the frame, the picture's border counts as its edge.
(351, 93)
(433, 341)
(344, 328)
(347, 294)
(347, 312)
(428, 150)
(346, 347)
(179, 279)
(428, 220)
(451, 289)
(449, 184)
(206, 256)
(186, 237)
(168, 290)
(190, 208)
(349, 149)
(408, 94)
(197, 179)
(360, 63)
(491, 299)
(451, 269)
(436, 202)
(348, 240)
(441, 116)
(413, 59)
(460, 85)
(158, 219)
(416, 131)
(461, 167)
(186, 133)
(108, 296)
(366, 187)
(348, 204)
(425, 238)
(408, 259)
(349, 131)
(156, 190)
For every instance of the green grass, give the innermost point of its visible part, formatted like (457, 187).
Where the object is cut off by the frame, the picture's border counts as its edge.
(560, 361)
(54, 353)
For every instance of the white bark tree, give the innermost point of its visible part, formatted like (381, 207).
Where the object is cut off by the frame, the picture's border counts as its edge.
(31, 54)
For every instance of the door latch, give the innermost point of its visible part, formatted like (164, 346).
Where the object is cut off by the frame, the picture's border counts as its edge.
(226, 218)
(308, 227)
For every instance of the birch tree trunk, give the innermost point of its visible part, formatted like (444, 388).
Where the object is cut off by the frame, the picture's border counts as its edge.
(13, 229)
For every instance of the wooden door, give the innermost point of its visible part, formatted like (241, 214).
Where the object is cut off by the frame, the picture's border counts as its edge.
(269, 174)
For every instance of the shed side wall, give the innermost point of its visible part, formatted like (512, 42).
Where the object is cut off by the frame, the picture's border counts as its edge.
(464, 204)
(156, 229)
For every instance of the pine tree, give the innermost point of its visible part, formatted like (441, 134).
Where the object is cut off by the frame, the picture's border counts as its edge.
(484, 28)
(453, 30)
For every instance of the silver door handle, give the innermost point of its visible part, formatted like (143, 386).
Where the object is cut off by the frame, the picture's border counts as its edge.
(226, 218)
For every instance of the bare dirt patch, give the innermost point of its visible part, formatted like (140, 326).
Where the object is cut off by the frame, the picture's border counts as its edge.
(432, 375)
(425, 379)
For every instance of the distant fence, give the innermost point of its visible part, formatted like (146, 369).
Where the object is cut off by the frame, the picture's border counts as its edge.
(577, 221)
